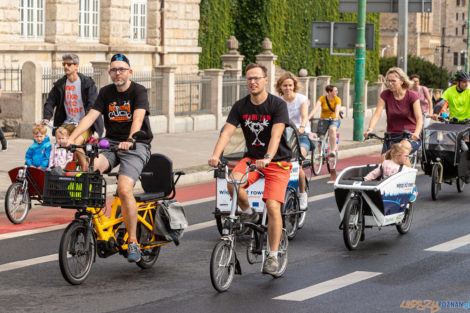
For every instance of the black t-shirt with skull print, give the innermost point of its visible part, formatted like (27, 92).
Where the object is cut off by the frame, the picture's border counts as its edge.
(257, 122)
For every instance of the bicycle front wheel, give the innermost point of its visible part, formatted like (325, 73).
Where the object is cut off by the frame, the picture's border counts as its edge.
(317, 158)
(435, 180)
(17, 203)
(352, 224)
(76, 253)
(290, 214)
(405, 224)
(222, 268)
(282, 255)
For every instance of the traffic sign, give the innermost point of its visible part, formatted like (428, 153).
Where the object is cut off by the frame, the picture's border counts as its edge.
(343, 35)
(386, 6)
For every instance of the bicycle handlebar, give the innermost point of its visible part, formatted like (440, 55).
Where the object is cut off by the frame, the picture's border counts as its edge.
(388, 136)
(222, 166)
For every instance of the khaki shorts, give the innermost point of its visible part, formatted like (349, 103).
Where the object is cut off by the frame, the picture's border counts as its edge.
(70, 127)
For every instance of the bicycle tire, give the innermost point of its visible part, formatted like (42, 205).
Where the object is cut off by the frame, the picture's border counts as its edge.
(222, 266)
(72, 248)
(282, 256)
(149, 256)
(303, 215)
(435, 181)
(352, 231)
(14, 198)
(460, 184)
(289, 210)
(405, 224)
(317, 158)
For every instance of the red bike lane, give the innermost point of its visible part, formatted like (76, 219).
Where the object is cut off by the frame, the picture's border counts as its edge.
(40, 217)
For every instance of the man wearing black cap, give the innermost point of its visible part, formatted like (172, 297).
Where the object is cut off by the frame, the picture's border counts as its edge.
(125, 109)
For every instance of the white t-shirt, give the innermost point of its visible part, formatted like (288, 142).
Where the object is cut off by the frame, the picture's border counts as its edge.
(73, 102)
(294, 109)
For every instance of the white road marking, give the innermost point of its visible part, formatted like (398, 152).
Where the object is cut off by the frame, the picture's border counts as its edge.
(320, 197)
(200, 226)
(327, 286)
(24, 263)
(451, 245)
(32, 231)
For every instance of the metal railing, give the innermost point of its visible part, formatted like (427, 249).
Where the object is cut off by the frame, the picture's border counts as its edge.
(191, 94)
(233, 89)
(153, 85)
(11, 79)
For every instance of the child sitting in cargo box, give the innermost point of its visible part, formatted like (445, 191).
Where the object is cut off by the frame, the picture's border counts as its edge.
(38, 153)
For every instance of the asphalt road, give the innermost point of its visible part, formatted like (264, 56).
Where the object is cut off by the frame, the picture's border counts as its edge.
(385, 271)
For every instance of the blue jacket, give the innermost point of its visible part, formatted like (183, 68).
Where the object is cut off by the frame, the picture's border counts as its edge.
(38, 154)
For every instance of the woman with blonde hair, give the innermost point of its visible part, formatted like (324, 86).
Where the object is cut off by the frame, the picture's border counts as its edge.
(402, 107)
(297, 104)
(396, 157)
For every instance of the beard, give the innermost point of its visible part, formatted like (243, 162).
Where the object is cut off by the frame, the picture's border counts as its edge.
(121, 83)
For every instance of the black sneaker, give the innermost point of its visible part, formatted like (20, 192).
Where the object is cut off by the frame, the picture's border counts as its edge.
(249, 218)
(133, 252)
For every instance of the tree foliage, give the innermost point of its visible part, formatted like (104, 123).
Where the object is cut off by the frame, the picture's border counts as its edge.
(288, 24)
(429, 73)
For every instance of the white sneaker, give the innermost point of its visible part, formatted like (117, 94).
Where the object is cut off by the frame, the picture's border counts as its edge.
(303, 199)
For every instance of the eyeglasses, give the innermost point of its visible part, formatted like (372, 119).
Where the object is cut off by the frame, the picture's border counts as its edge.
(67, 63)
(118, 70)
(249, 79)
(392, 80)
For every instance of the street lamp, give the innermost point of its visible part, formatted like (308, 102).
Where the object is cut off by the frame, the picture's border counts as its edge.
(442, 46)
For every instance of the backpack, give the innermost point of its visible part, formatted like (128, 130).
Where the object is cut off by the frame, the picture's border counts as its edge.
(170, 220)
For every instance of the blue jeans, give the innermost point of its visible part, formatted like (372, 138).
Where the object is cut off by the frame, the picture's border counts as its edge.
(305, 142)
(415, 144)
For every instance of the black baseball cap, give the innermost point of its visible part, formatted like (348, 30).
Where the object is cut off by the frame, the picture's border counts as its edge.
(120, 57)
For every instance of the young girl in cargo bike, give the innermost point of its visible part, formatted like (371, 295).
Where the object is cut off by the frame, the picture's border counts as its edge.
(395, 158)
(60, 157)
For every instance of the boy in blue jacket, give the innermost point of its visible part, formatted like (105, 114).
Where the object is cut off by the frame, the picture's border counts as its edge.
(38, 153)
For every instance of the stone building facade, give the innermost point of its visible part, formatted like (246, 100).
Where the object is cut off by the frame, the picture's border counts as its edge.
(150, 32)
(445, 25)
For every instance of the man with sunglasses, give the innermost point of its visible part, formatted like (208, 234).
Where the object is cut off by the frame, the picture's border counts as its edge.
(125, 108)
(70, 99)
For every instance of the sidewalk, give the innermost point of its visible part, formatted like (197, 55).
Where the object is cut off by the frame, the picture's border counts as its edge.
(190, 151)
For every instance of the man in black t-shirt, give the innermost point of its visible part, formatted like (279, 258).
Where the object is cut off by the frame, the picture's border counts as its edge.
(262, 118)
(125, 108)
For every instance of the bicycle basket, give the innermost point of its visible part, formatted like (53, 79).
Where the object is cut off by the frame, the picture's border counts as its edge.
(81, 191)
(320, 126)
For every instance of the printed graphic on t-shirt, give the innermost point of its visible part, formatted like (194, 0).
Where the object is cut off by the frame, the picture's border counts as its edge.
(74, 110)
(120, 113)
(256, 124)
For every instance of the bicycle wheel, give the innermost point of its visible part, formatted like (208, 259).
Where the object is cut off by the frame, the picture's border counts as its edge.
(414, 159)
(405, 224)
(76, 253)
(17, 203)
(435, 181)
(460, 184)
(222, 268)
(352, 224)
(303, 215)
(282, 256)
(317, 158)
(252, 253)
(149, 256)
(331, 163)
(290, 216)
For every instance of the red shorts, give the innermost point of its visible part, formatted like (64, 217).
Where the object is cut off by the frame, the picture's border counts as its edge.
(276, 178)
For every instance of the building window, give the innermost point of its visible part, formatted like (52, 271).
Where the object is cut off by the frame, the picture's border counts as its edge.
(457, 16)
(88, 22)
(463, 17)
(463, 30)
(463, 3)
(458, 2)
(32, 19)
(456, 31)
(138, 20)
(456, 58)
(462, 58)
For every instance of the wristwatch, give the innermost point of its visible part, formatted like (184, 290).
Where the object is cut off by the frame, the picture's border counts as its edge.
(131, 140)
(267, 156)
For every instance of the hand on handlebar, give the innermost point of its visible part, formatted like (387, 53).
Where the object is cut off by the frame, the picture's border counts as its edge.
(213, 161)
(414, 137)
(126, 145)
(263, 163)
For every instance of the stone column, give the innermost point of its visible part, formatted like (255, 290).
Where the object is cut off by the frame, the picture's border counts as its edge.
(323, 81)
(114, 23)
(344, 96)
(167, 96)
(313, 91)
(100, 73)
(232, 60)
(214, 97)
(31, 101)
(303, 82)
(267, 58)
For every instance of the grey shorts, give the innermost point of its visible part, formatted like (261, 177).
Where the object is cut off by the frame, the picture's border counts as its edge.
(131, 162)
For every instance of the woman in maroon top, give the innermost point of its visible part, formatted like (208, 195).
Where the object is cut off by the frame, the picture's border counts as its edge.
(402, 107)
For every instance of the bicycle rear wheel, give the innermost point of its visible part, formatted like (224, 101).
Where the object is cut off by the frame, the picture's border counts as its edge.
(435, 180)
(17, 203)
(76, 252)
(222, 267)
(282, 255)
(303, 215)
(352, 224)
(145, 235)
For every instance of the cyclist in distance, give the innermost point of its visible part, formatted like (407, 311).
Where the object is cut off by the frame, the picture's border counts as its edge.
(458, 97)
(262, 117)
(330, 107)
(403, 110)
(125, 108)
